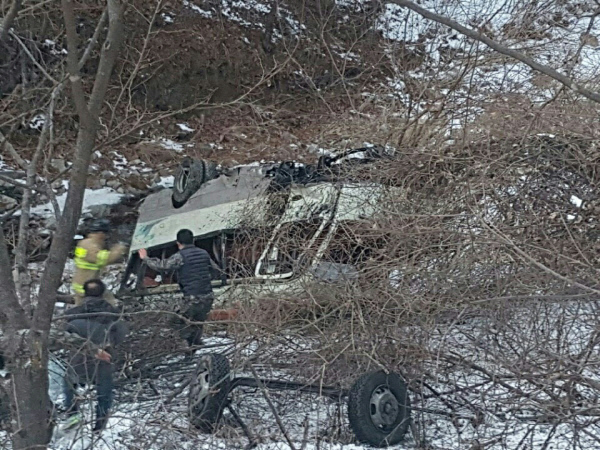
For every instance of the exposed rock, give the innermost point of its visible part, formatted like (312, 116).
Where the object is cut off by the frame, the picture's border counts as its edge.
(115, 184)
(7, 202)
(100, 210)
(94, 183)
(137, 182)
(58, 164)
(50, 223)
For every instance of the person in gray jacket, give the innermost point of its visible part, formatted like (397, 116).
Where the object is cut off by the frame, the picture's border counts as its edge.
(97, 322)
(193, 267)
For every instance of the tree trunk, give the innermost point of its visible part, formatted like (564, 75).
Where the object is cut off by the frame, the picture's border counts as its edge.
(31, 406)
(25, 340)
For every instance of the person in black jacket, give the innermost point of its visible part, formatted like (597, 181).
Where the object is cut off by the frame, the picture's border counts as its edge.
(98, 323)
(193, 266)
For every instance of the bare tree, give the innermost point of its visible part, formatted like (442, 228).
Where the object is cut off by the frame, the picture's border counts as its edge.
(26, 321)
(565, 80)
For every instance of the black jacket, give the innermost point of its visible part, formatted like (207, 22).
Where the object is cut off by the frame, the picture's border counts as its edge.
(194, 274)
(193, 266)
(103, 330)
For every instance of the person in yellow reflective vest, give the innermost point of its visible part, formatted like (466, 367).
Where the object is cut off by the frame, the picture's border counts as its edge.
(91, 257)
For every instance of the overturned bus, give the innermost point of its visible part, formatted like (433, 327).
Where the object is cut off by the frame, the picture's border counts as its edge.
(271, 228)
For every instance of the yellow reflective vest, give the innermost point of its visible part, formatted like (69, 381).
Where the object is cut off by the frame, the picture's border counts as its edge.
(90, 258)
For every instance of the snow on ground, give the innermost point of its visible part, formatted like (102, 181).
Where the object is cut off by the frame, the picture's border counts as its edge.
(555, 36)
(449, 56)
(249, 14)
(170, 144)
(166, 182)
(473, 411)
(37, 122)
(185, 127)
(93, 197)
(495, 411)
(197, 9)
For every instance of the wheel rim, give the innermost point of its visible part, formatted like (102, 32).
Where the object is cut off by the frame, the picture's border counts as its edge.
(200, 389)
(182, 181)
(384, 408)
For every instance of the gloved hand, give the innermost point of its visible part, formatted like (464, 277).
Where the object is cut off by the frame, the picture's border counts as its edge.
(121, 247)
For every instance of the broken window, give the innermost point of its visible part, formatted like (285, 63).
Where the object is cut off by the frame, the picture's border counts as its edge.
(351, 243)
(291, 249)
(243, 251)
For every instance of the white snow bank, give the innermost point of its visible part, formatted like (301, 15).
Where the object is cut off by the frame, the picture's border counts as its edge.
(197, 9)
(166, 182)
(250, 14)
(93, 197)
(185, 127)
(170, 144)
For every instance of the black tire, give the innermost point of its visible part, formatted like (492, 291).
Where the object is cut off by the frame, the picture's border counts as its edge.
(379, 409)
(188, 179)
(205, 407)
(210, 170)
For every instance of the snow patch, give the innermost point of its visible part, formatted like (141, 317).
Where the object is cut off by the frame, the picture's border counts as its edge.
(53, 48)
(170, 144)
(185, 127)
(167, 18)
(576, 201)
(37, 123)
(354, 5)
(92, 197)
(197, 9)
(119, 161)
(166, 182)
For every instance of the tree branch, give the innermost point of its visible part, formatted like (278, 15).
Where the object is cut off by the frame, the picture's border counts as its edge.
(9, 19)
(32, 58)
(110, 49)
(14, 182)
(88, 51)
(10, 149)
(549, 71)
(77, 91)
(21, 257)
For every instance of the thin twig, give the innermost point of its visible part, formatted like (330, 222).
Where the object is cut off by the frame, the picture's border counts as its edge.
(32, 58)
(272, 408)
(88, 51)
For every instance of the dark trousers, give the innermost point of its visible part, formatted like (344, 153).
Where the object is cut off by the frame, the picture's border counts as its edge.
(196, 309)
(98, 372)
